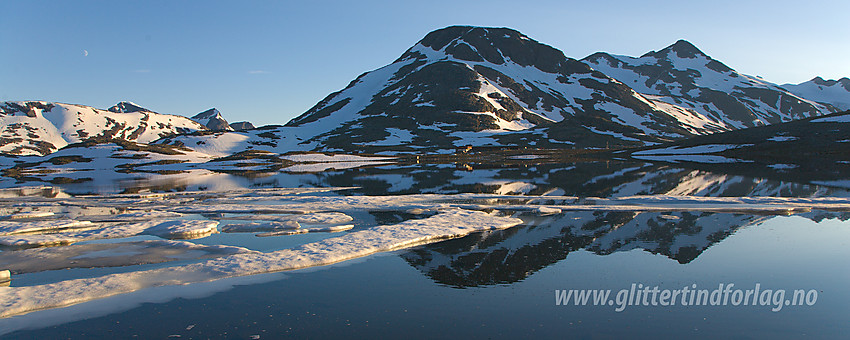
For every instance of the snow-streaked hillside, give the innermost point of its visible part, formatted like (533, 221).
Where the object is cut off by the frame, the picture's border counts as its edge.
(461, 80)
(723, 99)
(834, 92)
(40, 128)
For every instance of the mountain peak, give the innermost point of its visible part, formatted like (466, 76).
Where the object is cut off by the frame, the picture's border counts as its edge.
(208, 114)
(685, 49)
(213, 120)
(442, 37)
(682, 48)
(845, 82)
(496, 45)
(127, 107)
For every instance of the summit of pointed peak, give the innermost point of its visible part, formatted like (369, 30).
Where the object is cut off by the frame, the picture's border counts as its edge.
(213, 120)
(682, 48)
(127, 107)
(819, 80)
(213, 112)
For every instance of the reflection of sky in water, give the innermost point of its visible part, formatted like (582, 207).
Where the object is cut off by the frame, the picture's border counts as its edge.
(385, 296)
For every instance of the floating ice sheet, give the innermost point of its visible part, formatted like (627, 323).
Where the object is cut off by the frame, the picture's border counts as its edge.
(133, 216)
(259, 227)
(162, 228)
(11, 228)
(109, 255)
(447, 216)
(331, 229)
(32, 214)
(310, 218)
(447, 224)
(185, 229)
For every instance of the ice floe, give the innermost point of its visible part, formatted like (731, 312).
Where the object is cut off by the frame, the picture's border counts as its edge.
(447, 224)
(133, 216)
(162, 228)
(109, 255)
(11, 228)
(259, 227)
(424, 218)
(309, 218)
(32, 214)
(185, 229)
(331, 229)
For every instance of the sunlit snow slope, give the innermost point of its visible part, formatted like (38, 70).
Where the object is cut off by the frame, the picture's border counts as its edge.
(40, 128)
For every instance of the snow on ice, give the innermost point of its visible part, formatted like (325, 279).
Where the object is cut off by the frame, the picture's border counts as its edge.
(437, 217)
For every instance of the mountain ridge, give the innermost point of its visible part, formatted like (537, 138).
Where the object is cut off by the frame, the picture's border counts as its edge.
(40, 128)
(833, 92)
(684, 76)
(479, 86)
(485, 80)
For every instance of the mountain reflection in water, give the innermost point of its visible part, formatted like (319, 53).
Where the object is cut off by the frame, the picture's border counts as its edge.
(509, 256)
(531, 177)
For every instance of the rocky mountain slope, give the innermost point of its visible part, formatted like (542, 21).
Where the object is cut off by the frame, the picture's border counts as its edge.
(682, 76)
(462, 83)
(213, 120)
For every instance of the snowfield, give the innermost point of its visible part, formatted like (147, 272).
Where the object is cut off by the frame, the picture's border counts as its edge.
(40, 128)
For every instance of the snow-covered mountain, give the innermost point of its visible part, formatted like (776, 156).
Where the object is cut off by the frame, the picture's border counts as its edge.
(474, 86)
(461, 84)
(684, 77)
(213, 120)
(40, 128)
(478, 86)
(834, 92)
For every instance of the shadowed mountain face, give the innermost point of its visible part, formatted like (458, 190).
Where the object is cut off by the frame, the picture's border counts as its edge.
(811, 149)
(684, 76)
(213, 120)
(241, 126)
(127, 107)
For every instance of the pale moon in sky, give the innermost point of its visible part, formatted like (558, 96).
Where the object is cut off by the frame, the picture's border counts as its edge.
(85, 53)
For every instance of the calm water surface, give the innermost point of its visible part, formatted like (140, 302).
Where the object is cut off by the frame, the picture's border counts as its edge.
(503, 284)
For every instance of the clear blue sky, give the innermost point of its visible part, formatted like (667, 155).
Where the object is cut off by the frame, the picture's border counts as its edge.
(268, 62)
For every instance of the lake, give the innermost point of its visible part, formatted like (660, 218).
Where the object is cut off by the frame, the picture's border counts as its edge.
(602, 226)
